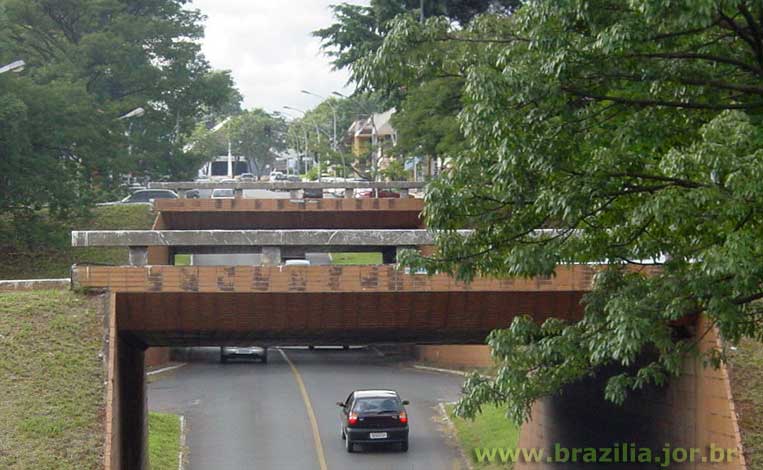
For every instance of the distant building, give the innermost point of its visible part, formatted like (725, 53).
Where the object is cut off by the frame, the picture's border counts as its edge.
(362, 132)
(224, 167)
(375, 130)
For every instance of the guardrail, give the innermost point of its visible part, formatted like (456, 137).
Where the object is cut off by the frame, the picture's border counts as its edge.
(239, 186)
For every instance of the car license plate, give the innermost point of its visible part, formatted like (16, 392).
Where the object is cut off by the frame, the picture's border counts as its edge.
(378, 435)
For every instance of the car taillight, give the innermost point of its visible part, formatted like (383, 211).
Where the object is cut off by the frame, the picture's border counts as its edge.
(352, 418)
(403, 417)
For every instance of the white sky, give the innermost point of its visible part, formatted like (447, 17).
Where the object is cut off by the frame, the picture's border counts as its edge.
(268, 47)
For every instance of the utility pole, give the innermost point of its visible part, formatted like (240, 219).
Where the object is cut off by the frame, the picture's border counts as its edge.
(421, 11)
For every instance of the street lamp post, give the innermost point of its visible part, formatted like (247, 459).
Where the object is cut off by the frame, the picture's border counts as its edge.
(305, 135)
(318, 135)
(335, 143)
(135, 113)
(16, 66)
(333, 111)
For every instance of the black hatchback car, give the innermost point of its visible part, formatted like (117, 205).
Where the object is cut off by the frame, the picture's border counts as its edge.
(374, 417)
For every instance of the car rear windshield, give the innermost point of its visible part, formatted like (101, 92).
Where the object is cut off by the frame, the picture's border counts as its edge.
(376, 405)
(223, 192)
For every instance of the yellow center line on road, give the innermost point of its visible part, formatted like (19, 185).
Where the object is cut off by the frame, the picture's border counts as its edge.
(310, 412)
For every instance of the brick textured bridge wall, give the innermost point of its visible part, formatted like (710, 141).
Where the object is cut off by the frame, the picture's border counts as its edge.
(455, 355)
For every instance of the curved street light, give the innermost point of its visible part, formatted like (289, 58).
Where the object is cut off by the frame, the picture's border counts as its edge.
(17, 66)
(317, 132)
(335, 143)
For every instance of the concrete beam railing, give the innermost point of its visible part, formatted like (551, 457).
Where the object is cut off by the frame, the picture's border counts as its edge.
(293, 186)
(289, 185)
(268, 242)
(13, 285)
(254, 237)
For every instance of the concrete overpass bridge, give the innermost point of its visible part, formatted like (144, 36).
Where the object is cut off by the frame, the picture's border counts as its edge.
(154, 303)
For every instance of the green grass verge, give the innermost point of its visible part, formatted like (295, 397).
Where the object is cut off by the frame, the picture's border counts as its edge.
(746, 372)
(163, 441)
(51, 381)
(491, 429)
(53, 257)
(356, 258)
(182, 260)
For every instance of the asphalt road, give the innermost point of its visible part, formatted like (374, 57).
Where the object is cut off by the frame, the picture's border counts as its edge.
(253, 416)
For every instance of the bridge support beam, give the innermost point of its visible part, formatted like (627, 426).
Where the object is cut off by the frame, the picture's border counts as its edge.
(133, 409)
(126, 409)
(271, 255)
(138, 255)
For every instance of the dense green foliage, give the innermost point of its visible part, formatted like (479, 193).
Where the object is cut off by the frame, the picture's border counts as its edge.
(599, 132)
(90, 62)
(315, 128)
(360, 30)
(44, 249)
(427, 106)
(427, 121)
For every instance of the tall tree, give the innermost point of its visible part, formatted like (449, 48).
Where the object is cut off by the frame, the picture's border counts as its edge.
(88, 63)
(427, 122)
(255, 135)
(359, 30)
(633, 131)
(259, 137)
(359, 33)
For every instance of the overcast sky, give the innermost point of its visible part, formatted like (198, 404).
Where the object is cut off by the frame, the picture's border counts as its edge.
(268, 47)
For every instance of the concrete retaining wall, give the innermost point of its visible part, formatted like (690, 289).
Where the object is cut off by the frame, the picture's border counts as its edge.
(455, 355)
(34, 284)
(156, 357)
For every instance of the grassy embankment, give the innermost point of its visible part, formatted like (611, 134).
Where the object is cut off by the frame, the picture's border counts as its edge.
(490, 430)
(163, 441)
(51, 381)
(356, 258)
(746, 372)
(53, 257)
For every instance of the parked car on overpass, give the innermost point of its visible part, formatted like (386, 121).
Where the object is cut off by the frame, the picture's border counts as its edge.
(368, 193)
(223, 193)
(312, 193)
(148, 195)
